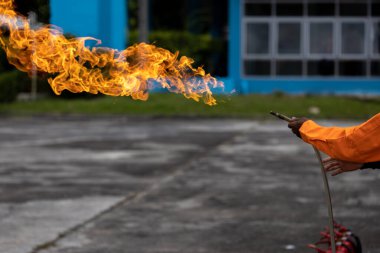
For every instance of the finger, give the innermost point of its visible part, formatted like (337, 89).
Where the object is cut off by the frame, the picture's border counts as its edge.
(332, 163)
(328, 159)
(329, 163)
(335, 167)
(332, 166)
(334, 172)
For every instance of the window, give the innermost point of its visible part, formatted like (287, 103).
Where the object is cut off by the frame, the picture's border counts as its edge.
(315, 38)
(376, 38)
(259, 9)
(375, 9)
(289, 38)
(257, 38)
(375, 68)
(289, 9)
(352, 68)
(353, 9)
(258, 68)
(321, 38)
(289, 68)
(320, 68)
(321, 9)
(353, 38)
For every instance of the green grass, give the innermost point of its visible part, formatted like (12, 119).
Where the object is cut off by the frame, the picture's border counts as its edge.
(249, 106)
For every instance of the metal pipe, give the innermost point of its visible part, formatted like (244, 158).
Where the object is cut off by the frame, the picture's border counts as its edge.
(33, 91)
(143, 20)
(325, 184)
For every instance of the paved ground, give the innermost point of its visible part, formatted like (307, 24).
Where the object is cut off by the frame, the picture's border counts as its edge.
(127, 185)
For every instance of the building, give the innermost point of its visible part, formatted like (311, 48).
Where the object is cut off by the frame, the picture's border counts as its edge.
(295, 46)
(101, 19)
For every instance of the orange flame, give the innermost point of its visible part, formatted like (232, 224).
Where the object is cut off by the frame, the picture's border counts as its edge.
(77, 68)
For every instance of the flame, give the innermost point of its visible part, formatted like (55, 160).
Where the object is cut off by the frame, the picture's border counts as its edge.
(77, 68)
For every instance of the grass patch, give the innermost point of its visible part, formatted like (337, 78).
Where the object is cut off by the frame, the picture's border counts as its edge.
(239, 106)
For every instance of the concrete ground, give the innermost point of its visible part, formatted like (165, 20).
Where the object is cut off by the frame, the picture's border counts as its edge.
(151, 185)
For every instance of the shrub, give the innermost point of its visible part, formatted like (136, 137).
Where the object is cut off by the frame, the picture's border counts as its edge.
(200, 47)
(9, 86)
(4, 65)
(82, 95)
(14, 82)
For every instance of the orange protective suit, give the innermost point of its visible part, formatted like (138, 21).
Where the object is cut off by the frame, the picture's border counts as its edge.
(359, 144)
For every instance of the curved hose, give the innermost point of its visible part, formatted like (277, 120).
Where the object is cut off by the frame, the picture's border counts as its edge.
(328, 200)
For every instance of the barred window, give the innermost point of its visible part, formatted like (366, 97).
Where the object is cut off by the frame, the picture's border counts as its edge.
(315, 38)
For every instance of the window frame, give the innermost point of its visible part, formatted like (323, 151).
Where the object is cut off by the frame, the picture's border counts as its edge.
(371, 41)
(305, 55)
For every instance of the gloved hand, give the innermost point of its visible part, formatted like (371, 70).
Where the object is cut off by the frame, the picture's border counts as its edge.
(295, 124)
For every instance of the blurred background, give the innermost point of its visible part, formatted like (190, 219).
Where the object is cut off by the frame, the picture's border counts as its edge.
(291, 47)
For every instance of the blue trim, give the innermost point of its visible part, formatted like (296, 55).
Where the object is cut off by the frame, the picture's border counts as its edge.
(234, 53)
(317, 86)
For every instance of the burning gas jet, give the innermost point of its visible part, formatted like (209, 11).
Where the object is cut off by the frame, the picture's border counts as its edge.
(77, 68)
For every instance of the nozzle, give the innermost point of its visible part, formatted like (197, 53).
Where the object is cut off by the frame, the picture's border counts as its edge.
(280, 116)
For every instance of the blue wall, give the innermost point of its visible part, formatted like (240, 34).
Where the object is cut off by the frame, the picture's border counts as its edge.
(102, 19)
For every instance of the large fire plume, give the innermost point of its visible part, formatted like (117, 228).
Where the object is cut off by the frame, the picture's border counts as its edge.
(76, 67)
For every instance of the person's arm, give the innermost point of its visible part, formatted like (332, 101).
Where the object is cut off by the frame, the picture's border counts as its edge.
(330, 140)
(360, 144)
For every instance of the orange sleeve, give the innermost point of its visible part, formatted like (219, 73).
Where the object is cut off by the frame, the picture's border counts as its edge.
(356, 144)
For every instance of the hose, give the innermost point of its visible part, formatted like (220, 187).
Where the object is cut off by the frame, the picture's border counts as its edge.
(325, 186)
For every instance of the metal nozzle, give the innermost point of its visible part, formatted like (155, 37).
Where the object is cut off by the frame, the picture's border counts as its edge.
(280, 116)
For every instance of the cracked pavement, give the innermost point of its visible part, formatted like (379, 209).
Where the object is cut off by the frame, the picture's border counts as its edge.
(75, 184)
